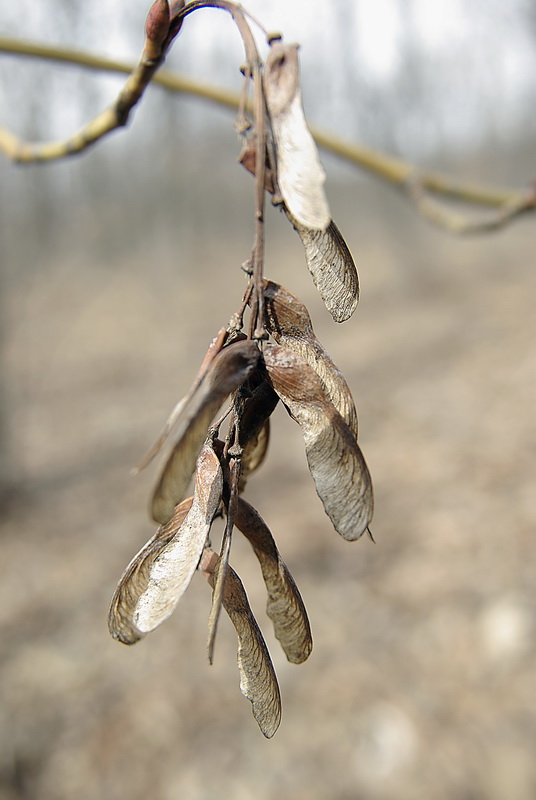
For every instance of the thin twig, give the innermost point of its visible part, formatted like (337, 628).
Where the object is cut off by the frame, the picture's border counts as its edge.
(448, 219)
(393, 171)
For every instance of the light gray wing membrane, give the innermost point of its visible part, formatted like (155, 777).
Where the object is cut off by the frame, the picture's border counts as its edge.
(332, 268)
(254, 453)
(258, 682)
(285, 606)
(335, 460)
(289, 323)
(157, 577)
(171, 572)
(135, 578)
(229, 369)
(300, 174)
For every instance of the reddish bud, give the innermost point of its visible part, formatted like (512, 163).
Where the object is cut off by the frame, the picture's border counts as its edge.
(158, 22)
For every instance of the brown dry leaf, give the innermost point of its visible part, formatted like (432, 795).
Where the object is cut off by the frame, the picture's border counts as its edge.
(158, 576)
(254, 431)
(135, 578)
(258, 680)
(248, 159)
(332, 268)
(335, 460)
(228, 370)
(288, 321)
(300, 175)
(285, 606)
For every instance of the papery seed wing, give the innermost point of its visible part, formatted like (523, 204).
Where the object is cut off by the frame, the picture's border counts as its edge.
(258, 681)
(285, 606)
(288, 321)
(254, 430)
(158, 576)
(134, 581)
(213, 350)
(332, 268)
(229, 369)
(171, 572)
(335, 460)
(300, 174)
(254, 454)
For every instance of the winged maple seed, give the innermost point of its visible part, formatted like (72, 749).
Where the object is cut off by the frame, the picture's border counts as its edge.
(299, 187)
(219, 433)
(298, 371)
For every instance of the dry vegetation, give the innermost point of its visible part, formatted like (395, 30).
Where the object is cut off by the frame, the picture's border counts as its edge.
(421, 680)
(420, 684)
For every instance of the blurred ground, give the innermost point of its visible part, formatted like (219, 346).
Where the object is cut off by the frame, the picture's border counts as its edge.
(421, 681)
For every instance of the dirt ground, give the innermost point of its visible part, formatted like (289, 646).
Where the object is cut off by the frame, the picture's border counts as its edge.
(421, 681)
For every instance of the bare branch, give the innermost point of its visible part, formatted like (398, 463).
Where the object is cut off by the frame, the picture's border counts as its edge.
(108, 120)
(510, 202)
(448, 219)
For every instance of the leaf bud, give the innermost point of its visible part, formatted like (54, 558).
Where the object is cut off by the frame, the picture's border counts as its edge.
(157, 26)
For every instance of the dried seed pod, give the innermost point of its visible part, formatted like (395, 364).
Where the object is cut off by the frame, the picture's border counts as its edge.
(335, 460)
(254, 429)
(288, 321)
(160, 573)
(135, 579)
(258, 682)
(254, 454)
(300, 175)
(228, 370)
(214, 348)
(285, 606)
(331, 266)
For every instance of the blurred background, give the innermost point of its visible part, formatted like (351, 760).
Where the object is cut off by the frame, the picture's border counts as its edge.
(117, 269)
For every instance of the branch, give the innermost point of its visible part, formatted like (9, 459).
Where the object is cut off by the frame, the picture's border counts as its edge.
(507, 202)
(442, 216)
(108, 120)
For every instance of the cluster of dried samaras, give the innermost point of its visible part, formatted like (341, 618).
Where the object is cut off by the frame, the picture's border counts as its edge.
(293, 369)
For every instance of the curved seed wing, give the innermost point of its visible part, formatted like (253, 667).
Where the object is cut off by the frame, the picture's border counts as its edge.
(300, 174)
(335, 460)
(331, 266)
(285, 606)
(160, 573)
(135, 578)
(289, 323)
(258, 680)
(228, 370)
(213, 350)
